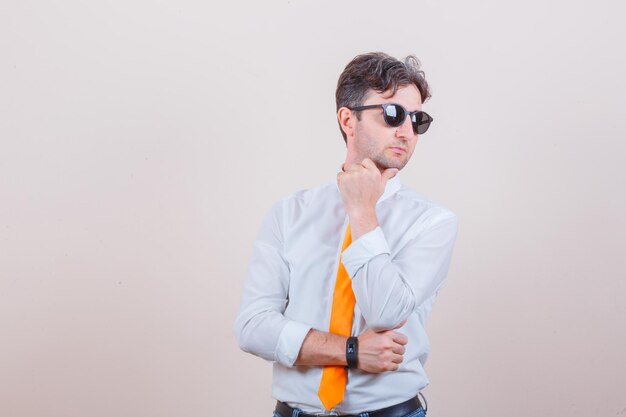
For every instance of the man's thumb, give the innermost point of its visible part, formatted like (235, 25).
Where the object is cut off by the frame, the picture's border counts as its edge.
(389, 173)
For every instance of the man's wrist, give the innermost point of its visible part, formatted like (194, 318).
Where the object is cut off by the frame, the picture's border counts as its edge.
(335, 350)
(362, 223)
(341, 357)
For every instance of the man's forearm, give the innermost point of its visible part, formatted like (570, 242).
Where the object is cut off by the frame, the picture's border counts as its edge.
(322, 348)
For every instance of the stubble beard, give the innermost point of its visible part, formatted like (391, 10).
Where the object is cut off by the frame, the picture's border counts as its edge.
(383, 162)
(378, 156)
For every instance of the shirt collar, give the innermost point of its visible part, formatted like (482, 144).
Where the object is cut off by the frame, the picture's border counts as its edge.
(393, 185)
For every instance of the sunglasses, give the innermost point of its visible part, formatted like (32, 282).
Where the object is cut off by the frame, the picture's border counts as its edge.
(395, 114)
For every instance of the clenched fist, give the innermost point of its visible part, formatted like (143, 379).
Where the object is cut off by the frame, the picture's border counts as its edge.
(361, 185)
(381, 351)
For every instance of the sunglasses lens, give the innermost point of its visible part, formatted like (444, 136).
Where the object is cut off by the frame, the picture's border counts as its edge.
(421, 122)
(394, 115)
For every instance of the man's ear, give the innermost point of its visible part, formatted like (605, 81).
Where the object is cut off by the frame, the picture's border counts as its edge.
(346, 120)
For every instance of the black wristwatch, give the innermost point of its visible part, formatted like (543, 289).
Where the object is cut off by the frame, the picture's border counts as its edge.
(352, 350)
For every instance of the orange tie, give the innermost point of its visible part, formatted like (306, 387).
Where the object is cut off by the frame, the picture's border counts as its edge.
(333, 385)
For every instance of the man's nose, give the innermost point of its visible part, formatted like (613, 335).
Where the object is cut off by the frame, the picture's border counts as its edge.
(405, 130)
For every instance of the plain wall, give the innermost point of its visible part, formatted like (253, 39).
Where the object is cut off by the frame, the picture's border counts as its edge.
(141, 143)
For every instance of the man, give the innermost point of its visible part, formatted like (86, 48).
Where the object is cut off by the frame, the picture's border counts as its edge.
(343, 276)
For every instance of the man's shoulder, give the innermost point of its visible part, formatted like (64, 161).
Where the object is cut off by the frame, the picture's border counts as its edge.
(424, 204)
(305, 196)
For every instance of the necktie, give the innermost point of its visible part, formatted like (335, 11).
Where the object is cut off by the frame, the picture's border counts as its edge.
(333, 384)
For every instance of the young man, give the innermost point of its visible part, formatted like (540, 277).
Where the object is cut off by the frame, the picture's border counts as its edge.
(343, 276)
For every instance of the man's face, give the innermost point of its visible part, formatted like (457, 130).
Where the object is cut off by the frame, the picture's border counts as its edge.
(388, 147)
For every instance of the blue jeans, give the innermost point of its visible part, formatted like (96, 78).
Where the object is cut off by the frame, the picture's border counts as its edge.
(415, 413)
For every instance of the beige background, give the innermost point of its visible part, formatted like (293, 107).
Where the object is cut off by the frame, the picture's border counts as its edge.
(142, 143)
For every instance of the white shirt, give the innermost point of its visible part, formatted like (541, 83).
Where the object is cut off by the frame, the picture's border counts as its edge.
(396, 269)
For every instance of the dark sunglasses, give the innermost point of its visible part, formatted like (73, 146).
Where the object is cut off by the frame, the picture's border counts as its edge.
(395, 114)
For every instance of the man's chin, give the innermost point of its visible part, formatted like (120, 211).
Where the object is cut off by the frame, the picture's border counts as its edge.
(383, 165)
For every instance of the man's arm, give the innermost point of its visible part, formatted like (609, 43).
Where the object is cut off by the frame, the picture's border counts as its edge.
(261, 327)
(322, 348)
(388, 289)
(263, 330)
(377, 352)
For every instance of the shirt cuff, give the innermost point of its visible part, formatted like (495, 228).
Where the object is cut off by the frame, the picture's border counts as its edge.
(290, 341)
(366, 247)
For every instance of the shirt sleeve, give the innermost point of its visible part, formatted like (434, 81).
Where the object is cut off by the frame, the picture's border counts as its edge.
(388, 289)
(260, 326)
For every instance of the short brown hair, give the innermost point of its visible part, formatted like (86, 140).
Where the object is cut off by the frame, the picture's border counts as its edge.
(379, 72)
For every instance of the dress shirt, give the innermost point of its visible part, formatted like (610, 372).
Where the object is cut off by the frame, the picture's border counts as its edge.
(396, 269)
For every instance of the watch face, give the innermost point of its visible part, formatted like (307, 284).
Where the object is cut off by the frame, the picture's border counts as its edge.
(351, 352)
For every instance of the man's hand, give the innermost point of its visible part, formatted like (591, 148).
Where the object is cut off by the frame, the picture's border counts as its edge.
(361, 186)
(381, 351)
